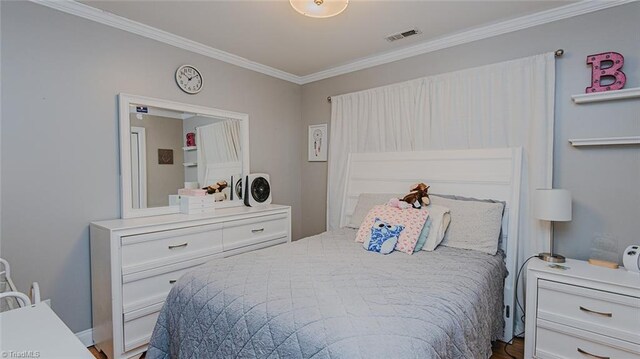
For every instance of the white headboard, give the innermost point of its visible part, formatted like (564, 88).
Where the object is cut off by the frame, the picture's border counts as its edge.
(484, 174)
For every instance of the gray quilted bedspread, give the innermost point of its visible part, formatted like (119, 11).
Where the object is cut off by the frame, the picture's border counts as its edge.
(326, 297)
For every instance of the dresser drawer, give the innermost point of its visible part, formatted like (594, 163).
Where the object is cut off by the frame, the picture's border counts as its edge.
(149, 250)
(559, 341)
(611, 314)
(150, 290)
(237, 234)
(138, 326)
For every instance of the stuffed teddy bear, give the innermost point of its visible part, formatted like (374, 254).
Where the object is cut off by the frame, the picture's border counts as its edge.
(383, 238)
(216, 188)
(419, 196)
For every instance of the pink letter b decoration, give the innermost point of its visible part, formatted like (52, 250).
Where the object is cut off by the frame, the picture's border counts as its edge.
(612, 62)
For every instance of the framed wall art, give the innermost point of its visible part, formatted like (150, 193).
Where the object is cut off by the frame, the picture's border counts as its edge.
(318, 143)
(165, 156)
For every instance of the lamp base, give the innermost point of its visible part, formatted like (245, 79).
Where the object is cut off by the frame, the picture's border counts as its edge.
(553, 258)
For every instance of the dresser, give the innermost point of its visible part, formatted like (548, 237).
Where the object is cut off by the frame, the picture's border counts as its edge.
(577, 310)
(136, 261)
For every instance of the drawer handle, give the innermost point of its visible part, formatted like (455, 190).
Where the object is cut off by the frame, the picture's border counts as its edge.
(171, 281)
(595, 312)
(592, 355)
(257, 230)
(178, 245)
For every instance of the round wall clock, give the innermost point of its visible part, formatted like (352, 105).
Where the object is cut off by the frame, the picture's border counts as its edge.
(189, 79)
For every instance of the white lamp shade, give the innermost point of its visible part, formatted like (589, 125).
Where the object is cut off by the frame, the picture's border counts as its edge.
(320, 9)
(553, 205)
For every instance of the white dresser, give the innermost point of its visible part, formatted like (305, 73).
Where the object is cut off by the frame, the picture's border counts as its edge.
(134, 263)
(583, 311)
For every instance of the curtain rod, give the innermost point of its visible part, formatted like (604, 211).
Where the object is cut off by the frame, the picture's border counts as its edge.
(557, 53)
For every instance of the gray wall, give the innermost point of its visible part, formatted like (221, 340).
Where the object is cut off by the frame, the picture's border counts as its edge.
(604, 181)
(61, 75)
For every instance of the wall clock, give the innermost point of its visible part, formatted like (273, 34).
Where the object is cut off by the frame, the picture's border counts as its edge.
(189, 79)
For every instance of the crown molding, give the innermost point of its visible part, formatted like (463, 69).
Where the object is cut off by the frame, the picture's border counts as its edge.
(474, 34)
(134, 27)
(567, 11)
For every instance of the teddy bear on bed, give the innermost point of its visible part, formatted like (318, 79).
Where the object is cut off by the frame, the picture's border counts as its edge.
(418, 196)
(383, 238)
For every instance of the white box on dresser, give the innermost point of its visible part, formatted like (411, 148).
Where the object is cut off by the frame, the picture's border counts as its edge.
(134, 263)
(581, 311)
(196, 204)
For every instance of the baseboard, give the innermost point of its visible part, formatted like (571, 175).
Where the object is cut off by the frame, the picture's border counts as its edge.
(86, 337)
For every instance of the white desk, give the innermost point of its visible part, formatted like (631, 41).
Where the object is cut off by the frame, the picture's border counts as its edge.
(37, 332)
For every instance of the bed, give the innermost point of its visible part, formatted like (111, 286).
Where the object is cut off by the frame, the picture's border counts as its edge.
(325, 297)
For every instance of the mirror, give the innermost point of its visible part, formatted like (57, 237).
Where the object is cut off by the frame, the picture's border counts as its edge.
(167, 147)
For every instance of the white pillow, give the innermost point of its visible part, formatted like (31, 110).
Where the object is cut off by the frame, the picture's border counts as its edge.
(440, 219)
(366, 201)
(474, 225)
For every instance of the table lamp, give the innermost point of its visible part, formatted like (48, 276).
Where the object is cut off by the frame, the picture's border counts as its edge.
(553, 205)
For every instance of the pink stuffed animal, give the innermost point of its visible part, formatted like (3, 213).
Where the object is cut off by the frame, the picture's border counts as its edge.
(397, 203)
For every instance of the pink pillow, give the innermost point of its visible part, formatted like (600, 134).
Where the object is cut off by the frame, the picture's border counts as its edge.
(412, 219)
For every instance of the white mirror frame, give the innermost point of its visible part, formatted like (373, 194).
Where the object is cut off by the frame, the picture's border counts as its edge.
(125, 101)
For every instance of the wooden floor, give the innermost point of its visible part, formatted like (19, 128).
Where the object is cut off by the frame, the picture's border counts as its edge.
(517, 350)
(96, 353)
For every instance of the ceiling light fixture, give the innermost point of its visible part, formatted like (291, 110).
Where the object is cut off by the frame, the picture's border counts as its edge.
(319, 8)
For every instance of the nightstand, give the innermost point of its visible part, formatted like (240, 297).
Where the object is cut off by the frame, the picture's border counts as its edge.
(577, 310)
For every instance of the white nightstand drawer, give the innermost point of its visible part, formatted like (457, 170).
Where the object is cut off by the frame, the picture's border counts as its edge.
(559, 341)
(242, 233)
(145, 251)
(598, 311)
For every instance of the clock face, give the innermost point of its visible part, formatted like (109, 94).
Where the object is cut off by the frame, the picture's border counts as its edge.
(189, 79)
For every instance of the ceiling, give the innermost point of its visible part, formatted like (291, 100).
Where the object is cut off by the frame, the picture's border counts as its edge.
(272, 33)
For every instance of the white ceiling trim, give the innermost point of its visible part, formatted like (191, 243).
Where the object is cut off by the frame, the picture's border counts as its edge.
(122, 23)
(479, 33)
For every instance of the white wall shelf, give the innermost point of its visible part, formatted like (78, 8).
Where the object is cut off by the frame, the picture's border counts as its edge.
(606, 141)
(607, 95)
(190, 148)
(190, 164)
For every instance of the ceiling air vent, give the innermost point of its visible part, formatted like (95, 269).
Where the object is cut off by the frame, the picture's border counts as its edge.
(402, 35)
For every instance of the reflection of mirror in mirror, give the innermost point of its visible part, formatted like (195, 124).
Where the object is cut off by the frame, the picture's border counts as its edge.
(164, 157)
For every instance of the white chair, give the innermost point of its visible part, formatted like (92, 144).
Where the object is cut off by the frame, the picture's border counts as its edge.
(8, 290)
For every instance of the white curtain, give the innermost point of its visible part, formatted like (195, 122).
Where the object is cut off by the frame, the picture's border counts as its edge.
(218, 143)
(501, 105)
